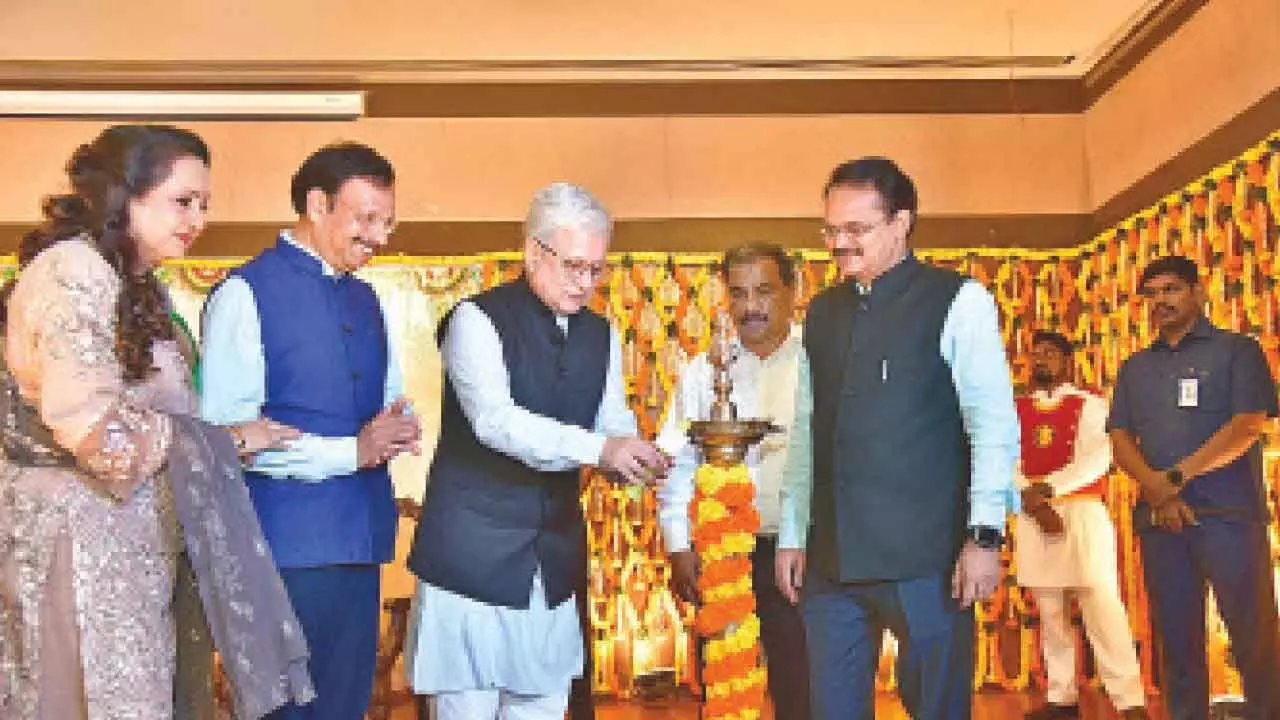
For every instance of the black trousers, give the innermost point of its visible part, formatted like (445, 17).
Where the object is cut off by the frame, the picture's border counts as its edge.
(782, 635)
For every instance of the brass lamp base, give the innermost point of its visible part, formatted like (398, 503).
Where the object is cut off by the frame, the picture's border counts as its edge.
(724, 443)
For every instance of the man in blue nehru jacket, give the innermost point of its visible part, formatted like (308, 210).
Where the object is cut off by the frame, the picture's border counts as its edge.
(292, 335)
(903, 444)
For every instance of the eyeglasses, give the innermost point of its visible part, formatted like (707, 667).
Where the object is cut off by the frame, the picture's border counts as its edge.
(370, 219)
(574, 267)
(850, 230)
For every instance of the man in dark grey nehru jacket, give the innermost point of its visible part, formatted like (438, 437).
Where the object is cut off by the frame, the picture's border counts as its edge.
(904, 440)
(534, 391)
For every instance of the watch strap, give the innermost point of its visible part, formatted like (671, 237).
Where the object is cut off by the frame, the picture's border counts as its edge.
(988, 538)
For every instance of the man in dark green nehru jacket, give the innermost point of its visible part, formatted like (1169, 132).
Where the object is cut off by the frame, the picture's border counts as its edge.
(903, 445)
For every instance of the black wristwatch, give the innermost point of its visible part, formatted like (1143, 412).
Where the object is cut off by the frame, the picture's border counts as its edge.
(1175, 477)
(987, 538)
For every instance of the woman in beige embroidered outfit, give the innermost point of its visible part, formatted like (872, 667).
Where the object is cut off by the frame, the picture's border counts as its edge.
(89, 549)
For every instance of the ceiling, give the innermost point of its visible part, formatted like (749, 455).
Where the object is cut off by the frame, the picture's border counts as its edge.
(550, 39)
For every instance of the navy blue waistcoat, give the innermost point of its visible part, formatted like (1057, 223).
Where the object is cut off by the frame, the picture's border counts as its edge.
(488, 520)
(325, 347)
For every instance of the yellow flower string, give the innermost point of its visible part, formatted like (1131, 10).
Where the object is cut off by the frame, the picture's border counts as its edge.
(724, 524)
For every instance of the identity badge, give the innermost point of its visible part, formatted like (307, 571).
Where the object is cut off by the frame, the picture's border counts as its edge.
(1189, 392)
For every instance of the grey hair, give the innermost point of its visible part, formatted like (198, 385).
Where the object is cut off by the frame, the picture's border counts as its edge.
(565, 206)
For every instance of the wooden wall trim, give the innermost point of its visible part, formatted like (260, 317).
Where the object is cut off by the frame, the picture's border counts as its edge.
(439, 88)
(1159, 25)
(1032, 96)
(668, 235)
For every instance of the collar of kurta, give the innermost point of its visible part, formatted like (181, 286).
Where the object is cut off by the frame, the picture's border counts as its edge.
(563, 322)
(795, 336)
(304, 257)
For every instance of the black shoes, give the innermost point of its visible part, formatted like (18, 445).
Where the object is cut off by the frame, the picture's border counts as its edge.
(1054, 712)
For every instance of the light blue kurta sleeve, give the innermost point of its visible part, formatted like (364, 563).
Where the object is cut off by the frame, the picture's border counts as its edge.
(797, 476)
(972, 346)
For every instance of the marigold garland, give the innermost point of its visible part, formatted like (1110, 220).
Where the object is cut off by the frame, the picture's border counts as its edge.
(725, 520)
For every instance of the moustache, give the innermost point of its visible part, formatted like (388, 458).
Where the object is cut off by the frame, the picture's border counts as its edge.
(846, 252)
(754, 317)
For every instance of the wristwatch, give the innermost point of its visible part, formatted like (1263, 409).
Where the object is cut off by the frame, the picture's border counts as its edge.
(1175, 477)
(987, 538)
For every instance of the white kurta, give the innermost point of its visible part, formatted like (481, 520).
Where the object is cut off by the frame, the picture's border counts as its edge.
(1085, 554)
(762, 388)
(1080, 563)
(457, 644)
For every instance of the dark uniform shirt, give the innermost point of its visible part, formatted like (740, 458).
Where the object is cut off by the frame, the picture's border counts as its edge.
(1174, 398)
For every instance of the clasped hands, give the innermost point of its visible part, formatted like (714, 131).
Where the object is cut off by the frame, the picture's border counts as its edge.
(1168, 510)
(1035, 503)
(394, 430)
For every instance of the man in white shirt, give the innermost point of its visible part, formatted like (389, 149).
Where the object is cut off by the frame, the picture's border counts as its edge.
(1066, 543)
(760, 281)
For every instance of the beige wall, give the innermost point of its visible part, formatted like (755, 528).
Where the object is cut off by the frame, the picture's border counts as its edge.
(341, 30)
(1212, 68)
(486, 169)
(1217, 65)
